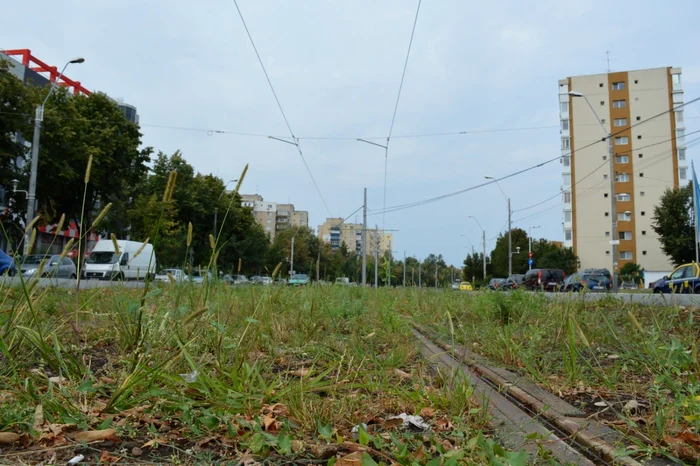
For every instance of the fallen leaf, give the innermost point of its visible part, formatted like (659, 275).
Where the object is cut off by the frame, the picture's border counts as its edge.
(303, 372)
(324, 451)
(95, 436)
(427, 412)
(392, 423)
(367, 337)
(446, 444)
(136, 451)
(402, 374)
(279, 409)
(630, 406)
(58, 380)
(107, 458)
(8, 437)
(353, 459)
(443, 425)
(38, 417)
(107, 380)
(268, 421)
(155, 441)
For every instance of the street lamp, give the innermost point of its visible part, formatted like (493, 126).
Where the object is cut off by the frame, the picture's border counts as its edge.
(529, 250)
(470, 242)
(510, 230)
(38, 121)
(291, 258)
(613, 214)
(483, 242)
(216, 208)
(386, 161)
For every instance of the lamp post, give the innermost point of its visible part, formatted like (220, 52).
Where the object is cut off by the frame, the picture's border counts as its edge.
(483, 242)
(386, 160)
(216, 208)
(291, 255)
(38, 122)
(613, 214)
(510, 231)
(529, 249)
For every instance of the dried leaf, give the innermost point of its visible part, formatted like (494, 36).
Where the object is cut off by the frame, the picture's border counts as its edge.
(136, 451)
(353, 459)
(155, 441)
(393, 423)
(95, 436)
(303, 372)
(38, 417)
(428, 413)
(58, 380)
(268, 421)
(402, 374)
(107, 458)
(8, 438)
(443, 425)
(630, 406)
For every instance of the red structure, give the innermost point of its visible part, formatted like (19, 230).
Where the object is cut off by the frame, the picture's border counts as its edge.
(34, 64)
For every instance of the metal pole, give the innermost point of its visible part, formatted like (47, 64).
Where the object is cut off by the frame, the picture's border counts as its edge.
(436, 274)
(413, 276)
(31, 192)
(529, 251)
(420, 282)
(613, 212)
(291, 260)
(510, 243)
(216, 221)
(376, 256)
(695, 210)
(364, 241)
(483, 240)
(389, 271)
(404, 267)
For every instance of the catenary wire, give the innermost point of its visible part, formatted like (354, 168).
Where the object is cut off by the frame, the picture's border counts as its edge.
(279, 105)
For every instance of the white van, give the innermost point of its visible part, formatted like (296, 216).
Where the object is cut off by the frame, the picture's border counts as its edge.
(103, 262)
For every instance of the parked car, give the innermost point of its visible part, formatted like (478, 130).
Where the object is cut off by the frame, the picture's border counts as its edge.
(265, 281)
(513, 282)
(455, 284)
(496, 283)
(586, 281)
(7, 265)
(684, 279)
(604, 272)
(178, 275)
(227, 279)
(299, 279)
(543, 279)
(255, 279)
(465, 286)
(134, 261)
(280, 281)
(241, 280)
(200, 276)
(342, 281)
(54, 266)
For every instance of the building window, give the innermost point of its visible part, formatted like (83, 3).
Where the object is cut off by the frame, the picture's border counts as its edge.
(605, 177)
(567, 235)
(567, 198)
(567, 180)
(622, 177)
(683, 173)
(644, 253)
(618, 86)
(607, 253)
(565, 143)
(641, 156)
(565, 125)
(605, 194)
(602, 102)
(607, 233)
(624, 216)
(619, 103)
(600, 85)
(636, 81)
(607, 214)
(641, 193)
(622, 159)
(620, 122)
(563, 88)
(681, 154)
(639, 136)
(644, 232)
(564, 107)
(643, 213)
(626, 255)
(621, 140)
(624, 197)
(566, 161)
(676, 80)
(567, 215)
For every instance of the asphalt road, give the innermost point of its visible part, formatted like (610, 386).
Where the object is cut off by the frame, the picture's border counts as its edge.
(68, 283)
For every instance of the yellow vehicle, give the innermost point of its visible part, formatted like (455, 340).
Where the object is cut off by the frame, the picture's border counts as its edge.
(465, 286)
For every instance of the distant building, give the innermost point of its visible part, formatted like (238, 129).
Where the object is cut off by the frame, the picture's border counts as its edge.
(272, 216)
(336, 232)
(648, 159)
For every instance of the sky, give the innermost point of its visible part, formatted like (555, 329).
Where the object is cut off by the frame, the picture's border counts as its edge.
(336, 66)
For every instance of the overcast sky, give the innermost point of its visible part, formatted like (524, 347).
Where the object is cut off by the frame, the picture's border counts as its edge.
(336, 67)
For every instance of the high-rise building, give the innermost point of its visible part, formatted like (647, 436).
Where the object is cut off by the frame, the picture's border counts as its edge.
(337, 232)
(272, 216)
(640, 109)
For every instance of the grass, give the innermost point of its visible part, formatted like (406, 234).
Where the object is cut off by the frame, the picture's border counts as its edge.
(271, 372)
(641, 361)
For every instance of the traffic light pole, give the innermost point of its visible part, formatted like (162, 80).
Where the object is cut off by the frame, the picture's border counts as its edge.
(529, 254)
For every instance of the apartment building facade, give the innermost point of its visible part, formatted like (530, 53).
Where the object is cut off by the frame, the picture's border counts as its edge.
(272, 216)
(640, 110)
(336, 232)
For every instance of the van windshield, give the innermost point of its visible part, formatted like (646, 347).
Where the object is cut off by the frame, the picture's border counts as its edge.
(102, 257)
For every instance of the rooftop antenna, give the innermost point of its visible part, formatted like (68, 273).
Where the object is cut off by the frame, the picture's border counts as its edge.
(607, 54)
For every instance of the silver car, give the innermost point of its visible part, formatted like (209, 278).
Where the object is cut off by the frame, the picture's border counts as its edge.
(54, 266)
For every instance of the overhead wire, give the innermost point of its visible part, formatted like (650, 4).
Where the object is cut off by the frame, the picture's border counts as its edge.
(295, 141)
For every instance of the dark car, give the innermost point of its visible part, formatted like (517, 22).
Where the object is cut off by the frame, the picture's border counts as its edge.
(496, 284)
(513, 282)
(684, 279)
(604, 272)
(7, 265)
(543, 279)
(585, 280)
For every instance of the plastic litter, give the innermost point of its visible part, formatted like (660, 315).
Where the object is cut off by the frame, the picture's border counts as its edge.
(410, 422)
(190, 377)
(356, 429)
(76, 460)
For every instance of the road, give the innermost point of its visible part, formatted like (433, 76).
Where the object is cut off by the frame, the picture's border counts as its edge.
(68, 283)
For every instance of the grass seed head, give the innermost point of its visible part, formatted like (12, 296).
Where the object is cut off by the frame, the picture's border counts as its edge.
(277, 270)
(212, 242)
(189, 234)
(59, 226)
(170, 186)
(240, 264)
(635, 322)
(116, 245)
(67, 248)
(241, 178)
(32, 239)
(31, 224)
(140, 249)
(101, 216)
(88, 169)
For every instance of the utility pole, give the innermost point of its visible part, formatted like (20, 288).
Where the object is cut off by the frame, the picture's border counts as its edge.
(436, 274)
(413, 276)
(420, 283)
(376, 256)
(318, 265)
(364, 241)
(291, 258)
(389, 274)
(510, 243)
(483, 242)
(404, 265)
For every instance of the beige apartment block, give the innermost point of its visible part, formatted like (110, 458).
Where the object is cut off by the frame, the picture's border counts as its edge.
(336, 232)
(272, 216)
(640, 110)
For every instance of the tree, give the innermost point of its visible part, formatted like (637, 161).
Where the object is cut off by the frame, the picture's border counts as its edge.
(499, 255)
(673, 223)
(631, 272)
(559, 258)
(473, 269)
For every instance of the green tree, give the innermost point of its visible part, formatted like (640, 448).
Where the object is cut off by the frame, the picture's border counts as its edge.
(673, 223)
(631, 272)
(473, 269)
(306, 248)
(499, 255)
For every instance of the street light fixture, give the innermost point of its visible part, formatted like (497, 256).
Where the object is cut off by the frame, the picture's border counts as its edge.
(529, 251)
(216, 208)
(510, 229)
(38, 122)
(386, 161)
(613, 214)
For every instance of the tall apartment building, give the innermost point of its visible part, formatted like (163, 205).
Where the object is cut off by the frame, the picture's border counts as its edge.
(273, 216)
(336, 232)
(648, 157)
